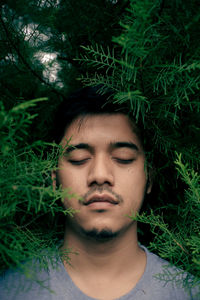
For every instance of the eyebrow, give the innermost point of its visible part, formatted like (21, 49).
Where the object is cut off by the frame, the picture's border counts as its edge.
(129, 145)
(84, 146)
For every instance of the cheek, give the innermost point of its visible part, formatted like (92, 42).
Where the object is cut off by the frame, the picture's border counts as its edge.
(66, 176)
(133, 186)
(134, 178)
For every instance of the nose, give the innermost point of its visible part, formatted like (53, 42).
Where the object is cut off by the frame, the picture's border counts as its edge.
(100, 172)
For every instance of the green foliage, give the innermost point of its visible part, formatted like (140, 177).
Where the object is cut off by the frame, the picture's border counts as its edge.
(31, 215)
(153, 65)
(14, 123)
(29, 205)
(39, 41)
(179, 244)
(148, 53)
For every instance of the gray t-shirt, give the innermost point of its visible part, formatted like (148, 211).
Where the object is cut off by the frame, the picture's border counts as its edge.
(159, 282)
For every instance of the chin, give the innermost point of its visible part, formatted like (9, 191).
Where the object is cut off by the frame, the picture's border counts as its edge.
(100, 235)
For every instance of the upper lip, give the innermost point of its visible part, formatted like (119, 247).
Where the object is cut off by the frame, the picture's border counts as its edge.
(101, 198)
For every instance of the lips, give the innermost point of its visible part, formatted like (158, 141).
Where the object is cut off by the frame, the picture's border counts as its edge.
(101, 198)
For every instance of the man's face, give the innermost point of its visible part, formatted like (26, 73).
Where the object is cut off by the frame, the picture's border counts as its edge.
(106, 167)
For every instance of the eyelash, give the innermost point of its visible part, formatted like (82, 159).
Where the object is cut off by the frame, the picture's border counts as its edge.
(124, 161)
(78, 162)
(121, 161)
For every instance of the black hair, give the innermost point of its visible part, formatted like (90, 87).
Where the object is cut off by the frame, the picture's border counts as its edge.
(85, 101)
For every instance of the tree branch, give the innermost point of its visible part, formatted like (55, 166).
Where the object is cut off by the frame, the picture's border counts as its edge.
(24, 60)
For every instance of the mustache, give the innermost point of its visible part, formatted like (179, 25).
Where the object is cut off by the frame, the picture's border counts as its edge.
(100, 190)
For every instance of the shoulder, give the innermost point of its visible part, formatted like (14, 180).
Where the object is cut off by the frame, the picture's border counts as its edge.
(30, 281)
(168, 281)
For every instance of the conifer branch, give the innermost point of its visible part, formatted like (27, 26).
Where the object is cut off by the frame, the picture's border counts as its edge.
(26, 64)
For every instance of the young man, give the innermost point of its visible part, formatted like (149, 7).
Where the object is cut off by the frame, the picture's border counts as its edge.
(105, 166)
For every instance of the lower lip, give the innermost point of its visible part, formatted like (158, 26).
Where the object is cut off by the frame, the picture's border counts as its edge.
(101, 205)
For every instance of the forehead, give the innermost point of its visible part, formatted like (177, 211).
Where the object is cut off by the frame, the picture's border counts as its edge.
(104, 128)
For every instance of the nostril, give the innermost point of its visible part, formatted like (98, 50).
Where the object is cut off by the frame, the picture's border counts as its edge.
(100, 171)
(98, 185)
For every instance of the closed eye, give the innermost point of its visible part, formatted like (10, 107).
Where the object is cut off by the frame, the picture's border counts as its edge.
(124, 161)
(78, 162)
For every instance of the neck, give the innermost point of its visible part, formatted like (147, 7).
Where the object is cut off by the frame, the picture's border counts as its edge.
(103, 256)
(109, 269)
